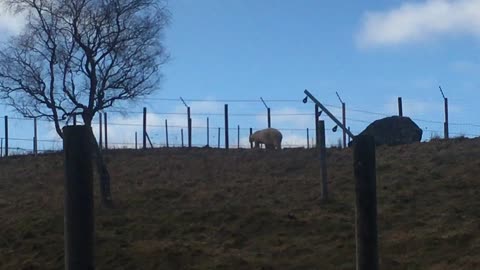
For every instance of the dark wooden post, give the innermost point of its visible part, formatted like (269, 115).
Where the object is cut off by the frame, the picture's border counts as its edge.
(344, 122)
(189, 128)
(79, 219)
(349, 138)
(218, 137)
(208, 132)
(1, 147)
(445, 126)
(144, 128)
(365, 202)
(74, 119)
(323, 159)
(100, 139)
(400, 109)
(316, 127)
(251, 143)
(105, 127)
(308, 139)
(238, 136)
(166, 132)
(6, 136)
(35, 136)
(181, 133)
(268, 118)
(136, 145)
(226, 126)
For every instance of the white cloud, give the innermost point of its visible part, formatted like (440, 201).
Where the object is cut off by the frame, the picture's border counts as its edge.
(9, 22)
(420, 21)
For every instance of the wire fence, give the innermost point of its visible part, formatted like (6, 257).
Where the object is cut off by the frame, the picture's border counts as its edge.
(124, 128)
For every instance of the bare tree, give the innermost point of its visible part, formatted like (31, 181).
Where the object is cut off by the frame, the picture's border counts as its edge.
(79, 57)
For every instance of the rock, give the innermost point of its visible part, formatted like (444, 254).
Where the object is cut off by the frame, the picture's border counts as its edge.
(394, 130)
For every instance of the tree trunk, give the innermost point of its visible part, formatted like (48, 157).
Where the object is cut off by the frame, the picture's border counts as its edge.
(103, 173)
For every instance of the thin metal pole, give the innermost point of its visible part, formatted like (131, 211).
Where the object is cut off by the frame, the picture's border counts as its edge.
(238, 136)
(181, 132)
(268, 118)
(136, 145)
(316, 126)
(208, 132)
(106, 130)
(400, 108)
(218, 137)
(144, 128)
(6, 136)
(35, 136)
(308, 139)
(189, 128)
(166, 132)
(226, 126)
(344, 122)
(251, 143)
(446, 135)
(100, 127)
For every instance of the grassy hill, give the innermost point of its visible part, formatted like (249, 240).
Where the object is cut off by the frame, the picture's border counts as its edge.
(245, 209)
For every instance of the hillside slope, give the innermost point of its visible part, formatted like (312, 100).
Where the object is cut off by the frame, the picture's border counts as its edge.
(245, 209)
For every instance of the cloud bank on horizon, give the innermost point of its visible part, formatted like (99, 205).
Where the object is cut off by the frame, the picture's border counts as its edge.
(419, 21)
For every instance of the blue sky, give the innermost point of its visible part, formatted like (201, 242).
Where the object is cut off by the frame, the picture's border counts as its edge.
(371, 52)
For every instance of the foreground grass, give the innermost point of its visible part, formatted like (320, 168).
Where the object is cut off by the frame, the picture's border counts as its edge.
(243, 209)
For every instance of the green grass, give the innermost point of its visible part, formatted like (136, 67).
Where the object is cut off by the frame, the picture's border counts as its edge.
(245, 209)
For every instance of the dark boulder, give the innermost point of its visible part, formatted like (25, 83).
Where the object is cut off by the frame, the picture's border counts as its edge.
(394, 130)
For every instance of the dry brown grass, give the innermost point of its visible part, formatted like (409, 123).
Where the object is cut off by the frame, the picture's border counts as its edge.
(209, 209)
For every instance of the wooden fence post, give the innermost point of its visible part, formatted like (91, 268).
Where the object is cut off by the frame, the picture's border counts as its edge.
(251, 143)
(79, 219)
(344, 122)
(74, 119)
(218, 137)
(365, 202)
(6, 135)
(136, 145)
(1, 147)
(35, 137)
(400, 109)
(100, 135)
(166, 132)
(226, 126)
(323, 159)
(106, 130)
(144, 128)
(445, 126)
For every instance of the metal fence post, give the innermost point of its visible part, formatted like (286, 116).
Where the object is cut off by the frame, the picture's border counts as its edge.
(226, 126)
